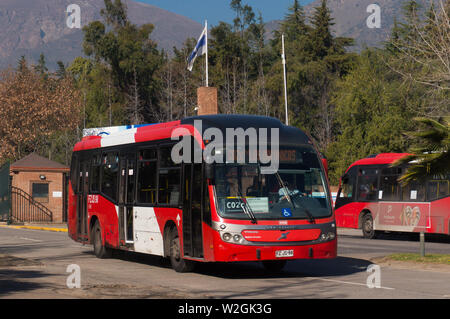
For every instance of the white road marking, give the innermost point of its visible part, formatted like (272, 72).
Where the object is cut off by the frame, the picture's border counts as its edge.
(31, 239)
(350, 283)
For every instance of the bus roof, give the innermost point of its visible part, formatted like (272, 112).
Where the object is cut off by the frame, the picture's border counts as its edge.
(380, 159)
(288, 135)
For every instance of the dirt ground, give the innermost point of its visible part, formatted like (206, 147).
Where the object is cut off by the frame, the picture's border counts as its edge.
(11, 261)
(24, 278)
(385, 261)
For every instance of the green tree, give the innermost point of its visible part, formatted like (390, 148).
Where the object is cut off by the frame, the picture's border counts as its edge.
(315, 61)
(322, 39)
(431, 152)
(61, 71)
(22, 65)
(102, 101)
(126, 52)
(185, 91)
(373, 108)
(226, 65)
(41, 66)
(421, 52)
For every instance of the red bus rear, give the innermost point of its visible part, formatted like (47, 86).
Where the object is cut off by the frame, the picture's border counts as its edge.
(128, 193)
(370, 198)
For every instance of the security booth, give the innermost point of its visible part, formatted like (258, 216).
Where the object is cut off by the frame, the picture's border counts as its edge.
(38, 190)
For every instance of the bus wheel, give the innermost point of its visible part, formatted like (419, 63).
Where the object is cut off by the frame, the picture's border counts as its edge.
(176, 260)
(100, 250)
(367, 226)
(274, 266)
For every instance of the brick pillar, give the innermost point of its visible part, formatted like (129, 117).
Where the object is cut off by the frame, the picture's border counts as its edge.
(207, 101)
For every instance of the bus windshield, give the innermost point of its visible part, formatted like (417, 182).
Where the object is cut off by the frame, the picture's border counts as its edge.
(297, 190)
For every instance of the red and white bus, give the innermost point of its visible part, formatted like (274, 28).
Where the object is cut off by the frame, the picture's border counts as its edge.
(127, 193)
(371, 198)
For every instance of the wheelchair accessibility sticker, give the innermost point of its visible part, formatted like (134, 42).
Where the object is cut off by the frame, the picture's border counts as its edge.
(287, 212)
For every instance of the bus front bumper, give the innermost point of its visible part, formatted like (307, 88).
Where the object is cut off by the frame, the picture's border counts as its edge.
(229, 252)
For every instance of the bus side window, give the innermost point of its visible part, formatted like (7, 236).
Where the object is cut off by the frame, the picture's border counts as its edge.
(131, 181)
(389, 186)
(414, 192)
(438, 189)
(444, 188)
(169, 178)
(347, 187)
(95, 173)
(110, 174)
(368, 184)
(147, 173)
(433, 190)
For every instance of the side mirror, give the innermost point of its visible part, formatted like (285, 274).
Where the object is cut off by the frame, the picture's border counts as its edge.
(209, 171)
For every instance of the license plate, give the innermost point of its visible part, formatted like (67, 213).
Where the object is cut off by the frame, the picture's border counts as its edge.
(284, 253)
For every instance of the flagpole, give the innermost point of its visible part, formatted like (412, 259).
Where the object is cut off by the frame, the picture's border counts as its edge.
(206, 27)
(283, 57)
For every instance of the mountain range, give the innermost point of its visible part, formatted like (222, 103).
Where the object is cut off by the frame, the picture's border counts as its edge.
(350, 18)
(32, 27)
(39, 26)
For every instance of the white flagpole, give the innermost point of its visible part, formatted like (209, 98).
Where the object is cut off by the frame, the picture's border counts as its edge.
(283, 57)
(206, 27)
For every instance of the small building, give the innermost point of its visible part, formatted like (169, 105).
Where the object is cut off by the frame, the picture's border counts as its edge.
(39, 190)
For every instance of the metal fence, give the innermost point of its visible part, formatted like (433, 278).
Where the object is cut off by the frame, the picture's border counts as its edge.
(5, 193)
(25, 209)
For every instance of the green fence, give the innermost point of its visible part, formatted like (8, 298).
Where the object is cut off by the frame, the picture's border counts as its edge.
(5, 193)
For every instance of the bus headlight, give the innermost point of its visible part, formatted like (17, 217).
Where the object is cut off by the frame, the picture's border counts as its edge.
(226, 236)
(327, 236)
(232, 237)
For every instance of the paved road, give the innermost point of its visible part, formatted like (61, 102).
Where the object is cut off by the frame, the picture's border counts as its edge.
(40, 260)
(353, 244)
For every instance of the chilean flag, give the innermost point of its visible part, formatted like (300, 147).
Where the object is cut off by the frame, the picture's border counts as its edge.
(200, 49)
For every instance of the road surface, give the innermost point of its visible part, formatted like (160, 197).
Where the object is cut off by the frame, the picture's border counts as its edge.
(34, 264)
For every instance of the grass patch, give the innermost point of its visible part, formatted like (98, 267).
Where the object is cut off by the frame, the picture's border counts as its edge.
(429, 258)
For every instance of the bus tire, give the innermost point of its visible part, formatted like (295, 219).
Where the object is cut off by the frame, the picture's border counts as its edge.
(367, 226)
(274, 266)
(179, 264)
(100, 250)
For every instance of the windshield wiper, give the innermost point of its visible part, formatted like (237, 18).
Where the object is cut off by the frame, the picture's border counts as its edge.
(246, 208)
(291, 201)
(286, 190)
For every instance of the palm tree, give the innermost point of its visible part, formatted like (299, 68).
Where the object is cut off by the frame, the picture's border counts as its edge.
(433, 151)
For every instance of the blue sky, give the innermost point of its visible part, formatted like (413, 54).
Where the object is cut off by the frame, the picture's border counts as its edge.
(219, 10)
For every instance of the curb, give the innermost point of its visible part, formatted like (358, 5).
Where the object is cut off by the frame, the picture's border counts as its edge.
(54, 229)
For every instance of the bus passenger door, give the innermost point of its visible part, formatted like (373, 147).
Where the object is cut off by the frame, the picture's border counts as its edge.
(82, 207)
(192, 210)
(126, 199)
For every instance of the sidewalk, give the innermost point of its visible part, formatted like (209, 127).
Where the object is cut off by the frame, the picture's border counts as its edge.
(60, 227)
